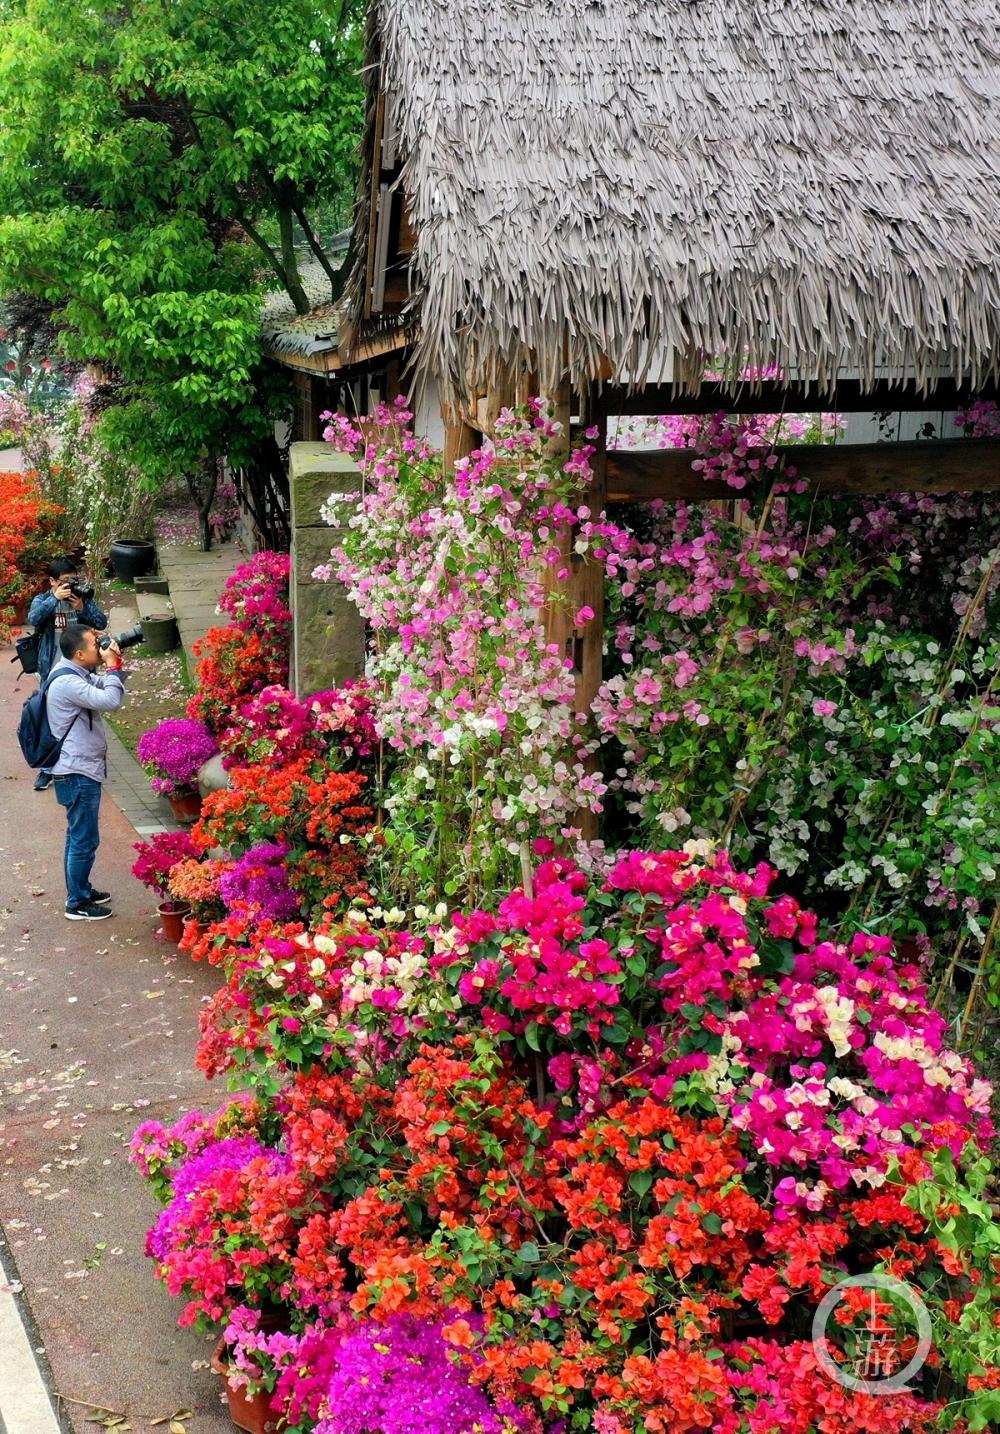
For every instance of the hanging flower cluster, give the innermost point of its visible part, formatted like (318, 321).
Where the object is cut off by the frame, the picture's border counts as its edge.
(474, 703)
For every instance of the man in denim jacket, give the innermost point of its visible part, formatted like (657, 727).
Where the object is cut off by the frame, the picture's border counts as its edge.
(76, 699)
(49, 614)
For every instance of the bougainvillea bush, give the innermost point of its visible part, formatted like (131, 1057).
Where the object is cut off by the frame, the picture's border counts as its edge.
(810, 680)
(590, 1159)
(471, 698)
(237, 661)
(174, 752)
(25, 521)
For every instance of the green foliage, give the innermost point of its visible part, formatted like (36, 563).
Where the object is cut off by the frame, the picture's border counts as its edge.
(955, 1202)
(141, 147)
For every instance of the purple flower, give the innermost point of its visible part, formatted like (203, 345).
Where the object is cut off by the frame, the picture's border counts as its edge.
(402, 1377)
(199, 1171)
(175, 751)
(258, 884)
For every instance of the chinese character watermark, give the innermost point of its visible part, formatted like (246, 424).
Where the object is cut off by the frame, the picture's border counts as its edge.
(877, 1366)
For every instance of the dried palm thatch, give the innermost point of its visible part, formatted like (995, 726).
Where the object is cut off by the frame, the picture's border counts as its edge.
(810, 183)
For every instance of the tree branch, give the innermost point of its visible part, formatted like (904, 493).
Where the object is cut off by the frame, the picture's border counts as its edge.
(317, 248)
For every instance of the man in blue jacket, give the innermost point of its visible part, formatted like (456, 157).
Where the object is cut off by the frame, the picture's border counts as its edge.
(49, 614)
(76, 699)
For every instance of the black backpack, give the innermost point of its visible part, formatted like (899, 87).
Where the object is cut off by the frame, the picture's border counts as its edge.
(26, 651)
(39, 746)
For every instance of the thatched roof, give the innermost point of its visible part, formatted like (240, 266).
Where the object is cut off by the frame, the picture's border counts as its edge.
(285, 331)
(812, 184)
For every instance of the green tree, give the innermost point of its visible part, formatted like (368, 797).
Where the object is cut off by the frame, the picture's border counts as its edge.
(147, 150)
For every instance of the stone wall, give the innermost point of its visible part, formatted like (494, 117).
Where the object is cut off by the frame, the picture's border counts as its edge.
(328, 638)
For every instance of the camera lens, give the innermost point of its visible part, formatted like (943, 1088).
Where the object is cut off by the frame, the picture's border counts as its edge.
(131, 637)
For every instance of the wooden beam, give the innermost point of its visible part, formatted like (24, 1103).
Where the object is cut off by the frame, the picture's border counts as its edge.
(952, 465)
(848, 396)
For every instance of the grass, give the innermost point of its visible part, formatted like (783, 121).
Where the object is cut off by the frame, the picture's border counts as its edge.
(157, 687)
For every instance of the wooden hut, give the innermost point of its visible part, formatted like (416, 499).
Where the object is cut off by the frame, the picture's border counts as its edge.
(596, 198)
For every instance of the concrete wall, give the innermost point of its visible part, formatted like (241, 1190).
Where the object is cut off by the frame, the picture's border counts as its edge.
(328, 638)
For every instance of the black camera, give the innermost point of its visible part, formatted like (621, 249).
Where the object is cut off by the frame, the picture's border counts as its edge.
(130, 638)
(83, 591)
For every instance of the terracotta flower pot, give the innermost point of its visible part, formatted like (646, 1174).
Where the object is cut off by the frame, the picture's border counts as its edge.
(172, 916)
(185, 805)
(252, 1413)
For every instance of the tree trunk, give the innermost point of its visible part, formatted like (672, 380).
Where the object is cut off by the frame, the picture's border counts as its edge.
(289, 260)
(207, 498)
(336, 283)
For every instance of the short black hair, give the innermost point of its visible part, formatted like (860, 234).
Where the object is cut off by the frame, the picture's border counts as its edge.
(62, 567)
(72, 638)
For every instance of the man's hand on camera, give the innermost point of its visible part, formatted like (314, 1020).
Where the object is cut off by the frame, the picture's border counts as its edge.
(65, 593)
(111, 656)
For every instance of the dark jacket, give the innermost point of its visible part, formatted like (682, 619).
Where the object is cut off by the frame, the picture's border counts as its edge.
(48, 616)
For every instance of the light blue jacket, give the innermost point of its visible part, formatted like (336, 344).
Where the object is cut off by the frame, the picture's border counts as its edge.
(85, 750)
(42, 615)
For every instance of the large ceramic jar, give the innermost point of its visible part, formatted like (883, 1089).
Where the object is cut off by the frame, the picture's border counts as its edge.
(132, 557)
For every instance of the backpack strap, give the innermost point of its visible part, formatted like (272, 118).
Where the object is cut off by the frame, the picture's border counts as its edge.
(54, 677)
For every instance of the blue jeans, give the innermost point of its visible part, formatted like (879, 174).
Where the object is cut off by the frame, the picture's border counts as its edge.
(81, 796)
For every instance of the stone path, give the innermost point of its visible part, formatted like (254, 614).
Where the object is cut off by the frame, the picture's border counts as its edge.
(128, 785)
(196, 580)
(97, 1033)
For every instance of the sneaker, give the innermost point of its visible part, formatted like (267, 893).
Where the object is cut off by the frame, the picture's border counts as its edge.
(99, 898)
(43, 782)
(88, 912)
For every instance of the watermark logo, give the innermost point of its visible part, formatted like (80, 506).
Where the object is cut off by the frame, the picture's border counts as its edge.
(876, 1366)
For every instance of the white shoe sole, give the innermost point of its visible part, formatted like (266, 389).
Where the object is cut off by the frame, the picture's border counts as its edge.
(88, 916)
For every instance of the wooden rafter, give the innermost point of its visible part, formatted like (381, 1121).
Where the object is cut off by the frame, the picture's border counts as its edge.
(953, 465)
(848, 396)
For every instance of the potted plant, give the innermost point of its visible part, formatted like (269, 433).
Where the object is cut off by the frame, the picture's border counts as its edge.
(249, 1411)
(156, 860)
(194, 884)
(173, 753)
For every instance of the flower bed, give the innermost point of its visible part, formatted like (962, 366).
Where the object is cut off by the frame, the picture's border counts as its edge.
(594, 1157)
(573, 1137)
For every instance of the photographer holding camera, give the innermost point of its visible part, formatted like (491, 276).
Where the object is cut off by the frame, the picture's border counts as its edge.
(67, 601)
(76, 698)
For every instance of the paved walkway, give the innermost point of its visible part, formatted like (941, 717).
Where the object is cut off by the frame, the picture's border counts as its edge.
(98, 1033)
(196, 579)
(128, 785)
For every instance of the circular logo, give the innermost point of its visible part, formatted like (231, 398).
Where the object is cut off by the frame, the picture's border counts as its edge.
(875, 1368)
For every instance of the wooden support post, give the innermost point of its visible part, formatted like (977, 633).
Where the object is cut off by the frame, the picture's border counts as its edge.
(589, 576)
(460, 438)
(588, 592)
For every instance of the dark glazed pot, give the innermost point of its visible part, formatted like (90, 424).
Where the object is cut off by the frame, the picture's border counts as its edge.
(132, 557)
